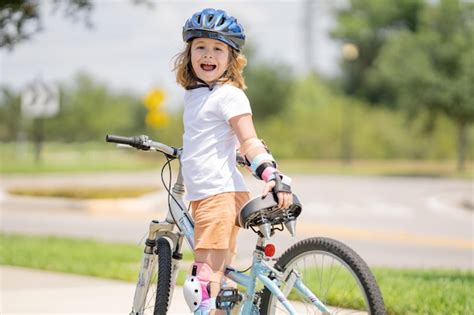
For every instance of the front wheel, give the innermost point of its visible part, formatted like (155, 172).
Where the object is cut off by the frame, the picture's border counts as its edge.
(158, 295)
(333, 272)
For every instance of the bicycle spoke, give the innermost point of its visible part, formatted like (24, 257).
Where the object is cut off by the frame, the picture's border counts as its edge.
(329, 279)
(338, 270)
(150, 299)
(346, 292)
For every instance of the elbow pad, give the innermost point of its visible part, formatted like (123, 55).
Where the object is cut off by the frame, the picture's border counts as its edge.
(261, 161)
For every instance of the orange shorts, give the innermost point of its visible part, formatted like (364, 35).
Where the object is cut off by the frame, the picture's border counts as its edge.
(216, 220)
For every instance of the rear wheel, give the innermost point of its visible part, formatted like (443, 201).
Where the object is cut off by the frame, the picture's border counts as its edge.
(334, 273)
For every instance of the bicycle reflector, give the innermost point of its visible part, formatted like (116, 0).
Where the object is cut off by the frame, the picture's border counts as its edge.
(269, 250)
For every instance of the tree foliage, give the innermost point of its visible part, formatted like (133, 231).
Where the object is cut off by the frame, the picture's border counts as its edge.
(269, 88)
(10, 115)
(432, 69)
(89, 110)
(312, 125)
(308, 127)
(368, 24)
(21, 19)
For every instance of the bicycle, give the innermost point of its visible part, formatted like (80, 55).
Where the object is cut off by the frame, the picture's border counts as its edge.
(314, 276)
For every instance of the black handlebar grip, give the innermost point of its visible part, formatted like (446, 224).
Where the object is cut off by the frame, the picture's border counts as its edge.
(120, 139)
(138, 142)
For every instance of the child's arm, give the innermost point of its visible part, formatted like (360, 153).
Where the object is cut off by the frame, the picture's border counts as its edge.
(262, 163)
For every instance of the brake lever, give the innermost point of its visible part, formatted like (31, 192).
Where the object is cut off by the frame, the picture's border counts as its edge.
(126, 146)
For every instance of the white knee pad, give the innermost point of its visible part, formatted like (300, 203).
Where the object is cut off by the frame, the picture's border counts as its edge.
(195, 287)
(192, 292)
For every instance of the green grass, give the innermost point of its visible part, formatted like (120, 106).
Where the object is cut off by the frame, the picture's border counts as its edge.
(101, 157)
(405, 291)
(411, 292)
(338, 286)
(411, 168)
(84, 257)
(74, 158)
(83, 192)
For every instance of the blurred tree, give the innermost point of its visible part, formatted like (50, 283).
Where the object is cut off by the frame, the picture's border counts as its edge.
(433, 69)
(269, 88)
(367, 24)
(90, 111)
(363, 27)
(312, 126)
(21, 19)
(309, 128)
(10, 114)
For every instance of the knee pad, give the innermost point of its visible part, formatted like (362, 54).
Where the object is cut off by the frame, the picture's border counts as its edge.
(196, 287)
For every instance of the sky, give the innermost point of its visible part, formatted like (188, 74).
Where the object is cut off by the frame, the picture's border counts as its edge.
(131, 47)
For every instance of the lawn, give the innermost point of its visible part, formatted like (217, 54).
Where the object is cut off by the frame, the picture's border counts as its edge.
(405, 291)
(99, 157)
(75, 158)
(83, 192)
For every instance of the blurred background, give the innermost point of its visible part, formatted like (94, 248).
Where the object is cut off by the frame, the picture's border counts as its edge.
(328, 80)
(367, 104)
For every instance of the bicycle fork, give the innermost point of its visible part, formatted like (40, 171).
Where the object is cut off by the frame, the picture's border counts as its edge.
(147, 269)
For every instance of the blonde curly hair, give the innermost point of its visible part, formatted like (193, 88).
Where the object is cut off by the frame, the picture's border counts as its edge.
(233, 75)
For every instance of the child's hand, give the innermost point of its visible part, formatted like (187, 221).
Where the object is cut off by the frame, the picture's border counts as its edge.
(285, 199)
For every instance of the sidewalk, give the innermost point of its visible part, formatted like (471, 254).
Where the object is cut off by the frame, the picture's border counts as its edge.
(28, 291)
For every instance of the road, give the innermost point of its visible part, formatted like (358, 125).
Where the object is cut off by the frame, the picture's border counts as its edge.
(389, 221)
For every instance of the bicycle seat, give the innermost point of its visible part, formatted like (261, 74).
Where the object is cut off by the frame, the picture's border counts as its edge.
(265, 210)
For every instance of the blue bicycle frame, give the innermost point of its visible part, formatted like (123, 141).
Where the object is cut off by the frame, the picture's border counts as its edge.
(261, 270)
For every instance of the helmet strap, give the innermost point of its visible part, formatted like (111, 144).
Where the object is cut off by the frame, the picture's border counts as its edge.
(202, 83)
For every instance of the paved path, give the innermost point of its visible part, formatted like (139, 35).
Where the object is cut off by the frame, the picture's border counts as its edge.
(27, 291)
(414, 222)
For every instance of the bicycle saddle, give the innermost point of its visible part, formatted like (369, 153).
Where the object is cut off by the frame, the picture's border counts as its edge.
(264, 213)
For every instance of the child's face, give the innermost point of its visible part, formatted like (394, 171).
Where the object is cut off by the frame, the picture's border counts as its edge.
(209, 58)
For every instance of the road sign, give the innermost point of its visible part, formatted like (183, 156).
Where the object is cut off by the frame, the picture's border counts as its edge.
(156, 116)
(40, 99)
(157, 119)
(154, 99)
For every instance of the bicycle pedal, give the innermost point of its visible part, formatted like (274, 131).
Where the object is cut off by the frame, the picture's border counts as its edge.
(228, 298)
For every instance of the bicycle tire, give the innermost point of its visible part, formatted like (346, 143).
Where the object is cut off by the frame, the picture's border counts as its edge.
(163, 250)
(346, 269)
(158, 294)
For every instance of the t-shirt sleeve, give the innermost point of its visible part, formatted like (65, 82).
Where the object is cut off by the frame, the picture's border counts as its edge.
(235, 103)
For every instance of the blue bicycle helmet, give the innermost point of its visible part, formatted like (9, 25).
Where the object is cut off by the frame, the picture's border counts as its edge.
(215, 24)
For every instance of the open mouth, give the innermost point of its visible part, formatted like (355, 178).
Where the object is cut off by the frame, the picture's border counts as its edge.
(208, 67)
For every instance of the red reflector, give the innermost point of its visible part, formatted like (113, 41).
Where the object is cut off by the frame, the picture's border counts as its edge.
(269, 250)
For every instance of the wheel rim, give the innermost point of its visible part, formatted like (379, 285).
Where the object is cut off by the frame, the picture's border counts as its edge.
(330, 279)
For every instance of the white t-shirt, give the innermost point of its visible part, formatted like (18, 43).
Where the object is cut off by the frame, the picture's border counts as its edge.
(209, 142)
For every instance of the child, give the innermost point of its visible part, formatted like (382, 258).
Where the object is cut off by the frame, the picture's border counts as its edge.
(217, 118)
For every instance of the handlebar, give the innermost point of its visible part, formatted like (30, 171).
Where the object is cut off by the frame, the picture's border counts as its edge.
(143, 143)
(136, 142)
